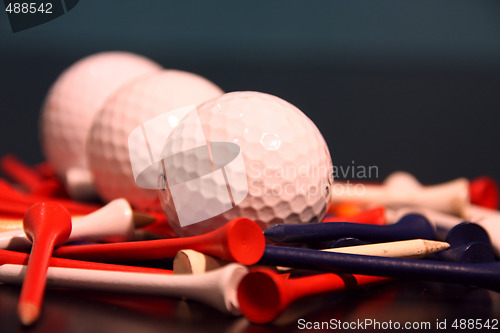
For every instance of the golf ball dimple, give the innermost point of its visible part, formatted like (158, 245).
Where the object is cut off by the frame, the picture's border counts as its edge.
(286, 160)
(130, 106)
(74, 99)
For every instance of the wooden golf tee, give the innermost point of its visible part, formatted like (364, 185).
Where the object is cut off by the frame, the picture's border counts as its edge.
(469, 243)
(10, 194)
(79, 184)
(412, 248)
(216, 288)
(18, 206)
(116, 213)
(29, 177)
(489, 219)
(20, 258)
(47, 225)
(484, 192)
(484, 275)
(240, 240)
(194, 262)
(410, 226)
(264, 294)
(112, 222)
(371, 216)
(402, 189)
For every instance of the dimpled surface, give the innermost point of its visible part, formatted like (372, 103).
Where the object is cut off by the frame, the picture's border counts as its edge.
(77, 96)
(287, 162)
(127, 108)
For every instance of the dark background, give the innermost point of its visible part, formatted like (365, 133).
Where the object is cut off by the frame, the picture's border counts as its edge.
(403, 85)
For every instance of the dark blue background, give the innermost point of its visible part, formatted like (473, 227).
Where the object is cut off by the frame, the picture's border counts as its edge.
(411, 85)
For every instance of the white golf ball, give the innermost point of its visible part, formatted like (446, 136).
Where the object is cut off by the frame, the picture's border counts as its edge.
(288, 166)
(75, 98)
(130, 106)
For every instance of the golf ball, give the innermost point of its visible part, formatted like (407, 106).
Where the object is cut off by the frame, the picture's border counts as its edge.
(127, 108)
(287, 163)
(75, 98)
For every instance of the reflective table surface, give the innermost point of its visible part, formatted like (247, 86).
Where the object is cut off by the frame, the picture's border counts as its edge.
(410, 305)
